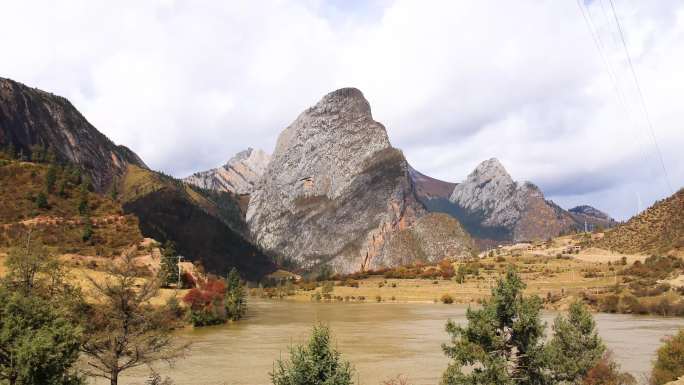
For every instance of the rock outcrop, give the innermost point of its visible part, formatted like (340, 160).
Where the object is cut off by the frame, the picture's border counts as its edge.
(335, 191)
(238, 175)
(430, 239)
(31, 118)
(491, 205)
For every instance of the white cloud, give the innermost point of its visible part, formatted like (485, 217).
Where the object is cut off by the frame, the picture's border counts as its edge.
(187, 84)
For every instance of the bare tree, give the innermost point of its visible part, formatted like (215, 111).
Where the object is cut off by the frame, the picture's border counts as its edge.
(124, 329)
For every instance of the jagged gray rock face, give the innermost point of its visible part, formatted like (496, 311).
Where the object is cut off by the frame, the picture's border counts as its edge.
(335, 189)
(489, 189)
(238, 175)
(30, 117)
(430, 239)
(495, 206)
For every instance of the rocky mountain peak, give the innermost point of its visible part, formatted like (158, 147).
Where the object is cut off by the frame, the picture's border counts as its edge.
(238, 175)
(255, 160)
(345, 101)
(591, 211)
(490, 170)
(335, 190)
(492, 205)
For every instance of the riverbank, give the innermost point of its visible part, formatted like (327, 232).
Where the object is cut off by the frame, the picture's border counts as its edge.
(548, 277)
(381, 340)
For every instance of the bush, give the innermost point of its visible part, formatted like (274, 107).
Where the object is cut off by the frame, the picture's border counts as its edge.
(41, 201)
(328, 287)
(317, 362)
(607, 372)
(447, 269)
(669, 363)
(308, 286)
(609, 303)
(447, 299)
(206, 302)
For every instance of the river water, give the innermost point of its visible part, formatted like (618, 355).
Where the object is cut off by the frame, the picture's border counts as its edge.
(381, 341)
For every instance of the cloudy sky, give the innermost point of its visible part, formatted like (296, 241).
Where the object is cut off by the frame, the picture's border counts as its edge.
(548, 91)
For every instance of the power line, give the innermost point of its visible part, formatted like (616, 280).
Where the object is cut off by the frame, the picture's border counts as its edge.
(612, 74)
(641, 97)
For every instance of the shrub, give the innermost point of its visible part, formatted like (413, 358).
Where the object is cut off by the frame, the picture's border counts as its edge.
(87, 231)
(447, 299)
(607, 372)
(206, 302)
(317, 362)
(187, 280)
(41, 201)
(327, 288)
(308, 286)
(447, 269)
(669, 363)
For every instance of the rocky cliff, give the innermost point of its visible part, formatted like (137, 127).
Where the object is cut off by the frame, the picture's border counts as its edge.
(31, 118)
(491, 205)
(335, 190)
(430, 239)
(238, 175)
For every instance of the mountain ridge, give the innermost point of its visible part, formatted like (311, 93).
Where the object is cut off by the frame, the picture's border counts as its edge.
(335, 192)
(31, 118)
(493, 206)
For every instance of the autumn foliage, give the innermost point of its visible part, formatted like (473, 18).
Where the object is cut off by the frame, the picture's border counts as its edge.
(208, 292)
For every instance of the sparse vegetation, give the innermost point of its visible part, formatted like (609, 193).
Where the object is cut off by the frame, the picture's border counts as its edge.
(658, 229)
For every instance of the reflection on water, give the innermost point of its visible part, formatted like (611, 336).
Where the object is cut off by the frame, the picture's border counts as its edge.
(381, 340)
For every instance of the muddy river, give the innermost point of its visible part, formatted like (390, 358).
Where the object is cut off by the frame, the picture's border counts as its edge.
(381, 341)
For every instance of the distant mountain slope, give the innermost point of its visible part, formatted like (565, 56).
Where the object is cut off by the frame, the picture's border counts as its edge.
(433, 237)
(206, 226)
(491, 205)
(658, 229)
(592, 216)
(31, 119)
(238, 175)
(430, 188)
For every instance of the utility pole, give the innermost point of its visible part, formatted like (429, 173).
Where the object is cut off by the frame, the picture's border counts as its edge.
(180, 258)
